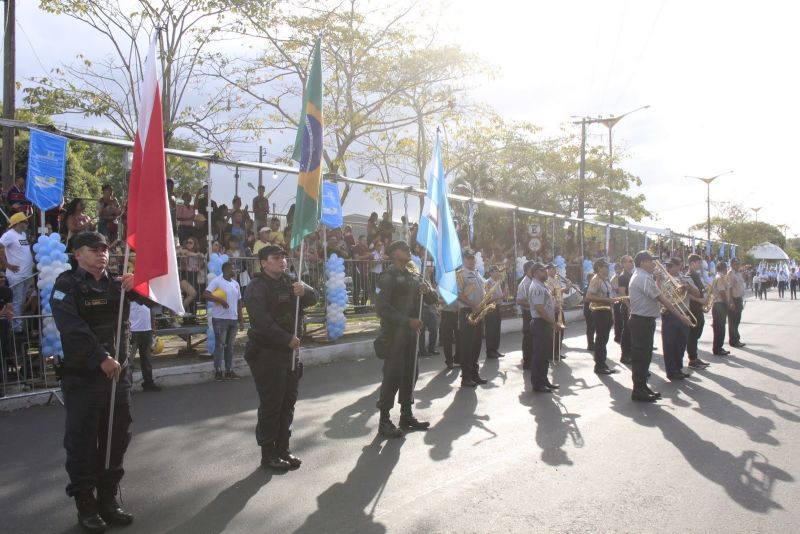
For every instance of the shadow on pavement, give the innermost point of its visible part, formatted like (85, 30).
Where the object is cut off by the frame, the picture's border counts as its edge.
(343, 506)
(780, 360)
(748, 479)
(215, 516)
(553, 426)
(437, 387)
(351, 421)
(457, 420)
(491, 370)
(755, 397)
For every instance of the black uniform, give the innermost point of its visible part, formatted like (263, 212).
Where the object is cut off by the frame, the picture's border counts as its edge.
(85, 311)
(397, 301)
(271, 306)
(697, 310)
(625, 334)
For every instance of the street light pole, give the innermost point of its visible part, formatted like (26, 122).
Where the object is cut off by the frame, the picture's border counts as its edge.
(708, 199)
(756, 210)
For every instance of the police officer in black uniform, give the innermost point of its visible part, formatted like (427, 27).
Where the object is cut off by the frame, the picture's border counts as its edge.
(397, 306)
(85, 304)
(271, 301)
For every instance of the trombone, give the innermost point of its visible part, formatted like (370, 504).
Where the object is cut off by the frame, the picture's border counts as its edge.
(674, 292)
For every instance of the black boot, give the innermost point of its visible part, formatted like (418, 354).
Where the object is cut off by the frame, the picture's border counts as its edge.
(285, 454)
(110, 510)
(88, 518)
(409, 422)
(271, 460)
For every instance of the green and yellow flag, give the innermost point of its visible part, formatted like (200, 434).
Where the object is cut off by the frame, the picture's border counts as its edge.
(308, 154)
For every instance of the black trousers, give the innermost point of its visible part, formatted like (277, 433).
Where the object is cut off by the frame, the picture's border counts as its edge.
(781, 289)
(398, 371)
(448, 332)
(719, 314)
(430, 325)
(625, 336)
(470, 348)
(695, 332)
(87, 404)
(527, 338)
(734, 318)
(587, 315)
(143, 342)
(276, 385)
(602, 324)
(793, 289)
(618, 322)
(542, 334)
(674, 335)
(642, 331)
(492, 325)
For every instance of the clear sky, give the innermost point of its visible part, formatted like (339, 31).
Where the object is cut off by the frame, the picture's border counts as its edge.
(721, 78)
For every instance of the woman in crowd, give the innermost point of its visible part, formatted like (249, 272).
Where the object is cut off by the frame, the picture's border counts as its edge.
(372, 227)
(76, 220)
(185, 213)
(108, 210)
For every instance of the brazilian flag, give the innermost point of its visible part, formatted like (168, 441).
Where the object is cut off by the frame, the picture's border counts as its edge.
(308, 154)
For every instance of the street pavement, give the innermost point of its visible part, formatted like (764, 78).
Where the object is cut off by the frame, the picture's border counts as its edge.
(718, 454)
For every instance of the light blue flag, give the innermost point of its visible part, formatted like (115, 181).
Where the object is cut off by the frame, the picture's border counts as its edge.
(722, 250)
(733, 251)
(331, 206)
(47, 160)
(437, 233)
(708, 248)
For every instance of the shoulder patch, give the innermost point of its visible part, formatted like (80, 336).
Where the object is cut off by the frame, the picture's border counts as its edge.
(58, 295)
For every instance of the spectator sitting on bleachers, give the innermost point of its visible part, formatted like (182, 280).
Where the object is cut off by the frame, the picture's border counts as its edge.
(77, 221)
(262, 241)
(185, 214)
(17, 200)
(386, 228)
(108, 210)
(276, 237)
(260, 208)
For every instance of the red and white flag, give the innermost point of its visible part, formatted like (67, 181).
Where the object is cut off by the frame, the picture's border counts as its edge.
(155, 273)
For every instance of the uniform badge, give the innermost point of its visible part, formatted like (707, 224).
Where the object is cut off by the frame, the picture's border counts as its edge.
(58, 295)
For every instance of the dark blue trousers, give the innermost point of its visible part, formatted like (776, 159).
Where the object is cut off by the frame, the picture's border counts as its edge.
(674, 335)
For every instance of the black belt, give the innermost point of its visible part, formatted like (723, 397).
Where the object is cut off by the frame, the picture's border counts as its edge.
(643, 317)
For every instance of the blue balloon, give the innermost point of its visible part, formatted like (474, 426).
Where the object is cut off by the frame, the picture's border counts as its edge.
(36, 247)
(46, 260)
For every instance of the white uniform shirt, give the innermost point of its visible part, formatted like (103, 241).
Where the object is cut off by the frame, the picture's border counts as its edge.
(232, 294)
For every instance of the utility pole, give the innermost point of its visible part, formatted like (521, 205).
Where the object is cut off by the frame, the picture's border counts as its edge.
(9, 91)
(582, 182)
(708, 181)
(756, 210)
(260, 160)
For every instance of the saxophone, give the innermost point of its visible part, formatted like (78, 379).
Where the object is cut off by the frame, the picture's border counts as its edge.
(485, 306)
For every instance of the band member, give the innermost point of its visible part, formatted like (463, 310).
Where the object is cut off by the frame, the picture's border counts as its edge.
(271, 299)
(645, 302)
(617, 307)
(719, 313)
(793, 283)
(543, 313)
(587, 315)
(624, 308)
(554, 283)
(448, 333)
(696, 307)
(783, 282)
(397, 306)
(737, 285)
(470, 293)
(85, 303)
(522, 302)
(494, 285)
(674, 332)
(601, 298)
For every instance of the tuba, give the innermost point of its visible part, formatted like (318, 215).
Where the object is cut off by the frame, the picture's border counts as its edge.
(674, 291)
(709, 303)
(484, 307)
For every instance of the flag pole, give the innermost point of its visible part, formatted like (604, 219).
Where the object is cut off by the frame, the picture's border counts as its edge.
(117, 346)
(296, 352)
(419, 317)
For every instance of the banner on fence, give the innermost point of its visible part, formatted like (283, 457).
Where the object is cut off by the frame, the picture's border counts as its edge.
(331, 205)
(47, 159)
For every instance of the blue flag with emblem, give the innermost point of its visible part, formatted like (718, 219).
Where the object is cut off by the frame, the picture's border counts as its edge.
(437, 232)
(708, 248)
(722, 250)
(331, 206)
(47, 159)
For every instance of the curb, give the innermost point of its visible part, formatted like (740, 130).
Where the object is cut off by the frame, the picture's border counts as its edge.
(196, 373)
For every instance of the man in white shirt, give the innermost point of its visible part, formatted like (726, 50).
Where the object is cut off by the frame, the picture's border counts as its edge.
(226, 317)
(16, 257)
(142, 340)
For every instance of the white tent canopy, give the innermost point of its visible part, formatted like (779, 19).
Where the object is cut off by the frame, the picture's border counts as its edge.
(768, 251)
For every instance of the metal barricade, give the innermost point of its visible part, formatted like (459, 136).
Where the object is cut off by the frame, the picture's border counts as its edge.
(25, 371)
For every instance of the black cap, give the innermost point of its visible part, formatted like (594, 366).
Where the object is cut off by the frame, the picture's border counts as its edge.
(468, 253)
(397, 245)
(89, 239)
(270, 250)
(537, 266)
(642, 256)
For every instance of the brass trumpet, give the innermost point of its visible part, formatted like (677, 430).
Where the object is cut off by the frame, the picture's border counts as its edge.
(674, 291)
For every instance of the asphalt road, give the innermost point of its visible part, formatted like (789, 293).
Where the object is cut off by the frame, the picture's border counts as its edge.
(718, 454)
